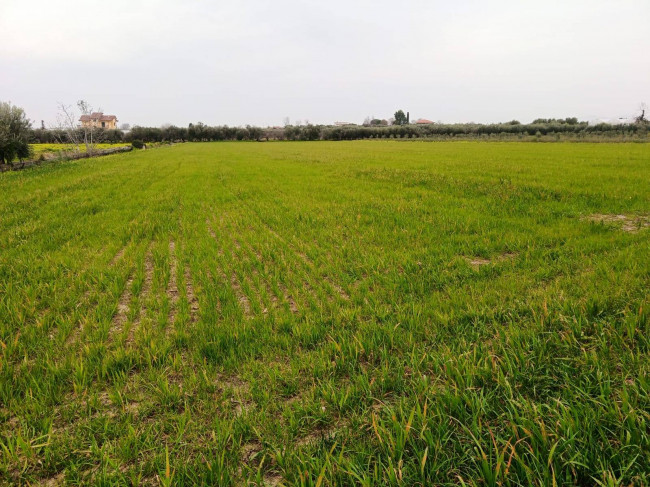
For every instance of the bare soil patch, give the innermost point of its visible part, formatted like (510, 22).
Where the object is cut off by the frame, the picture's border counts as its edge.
(477, 262)
(54, 481)
(627, 223)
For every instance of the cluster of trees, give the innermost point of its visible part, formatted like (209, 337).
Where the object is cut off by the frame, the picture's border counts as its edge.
(567, 121)
(399, 118)
(481, 130)
(200, 132)
(68, 136)
(304, 132)
(375, 122)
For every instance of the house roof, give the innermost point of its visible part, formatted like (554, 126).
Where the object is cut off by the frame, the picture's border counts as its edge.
(423, 121)
(97, 117)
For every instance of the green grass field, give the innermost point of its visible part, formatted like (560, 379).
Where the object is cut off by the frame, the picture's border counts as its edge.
(345, 313)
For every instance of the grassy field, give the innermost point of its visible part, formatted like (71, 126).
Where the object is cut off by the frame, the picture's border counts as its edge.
(371, 313)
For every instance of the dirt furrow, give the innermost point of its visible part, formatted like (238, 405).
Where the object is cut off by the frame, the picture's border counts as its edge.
(172, 287)
(123, 306)
(144, 295)
(191, 297)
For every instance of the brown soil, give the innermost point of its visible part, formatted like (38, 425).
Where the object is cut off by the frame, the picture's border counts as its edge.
(210, 229)
(118, 256)
(172, 287)
(341, 292)
(269, 293)
(477, 262)
(191, 298)
(287, 297)
(241, 297)
(627, 223)
(144, 294)
(122, 309)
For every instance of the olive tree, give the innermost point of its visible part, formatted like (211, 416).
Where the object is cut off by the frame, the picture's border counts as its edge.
(14, 133)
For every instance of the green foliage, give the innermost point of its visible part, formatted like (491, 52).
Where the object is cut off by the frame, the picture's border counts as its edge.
(400, 118)
(14, 133)
(567, 129)
(325, 313)
(137, 144)
(304, 132)
(547, 121)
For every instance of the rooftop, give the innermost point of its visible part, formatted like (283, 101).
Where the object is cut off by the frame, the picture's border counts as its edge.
(97, 117)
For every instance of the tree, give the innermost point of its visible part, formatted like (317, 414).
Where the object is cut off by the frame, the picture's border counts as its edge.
(66, 127)
(72, 132)
(401, 118)
(14, 133)
(641, 117)
(91, 134)
(254, 133)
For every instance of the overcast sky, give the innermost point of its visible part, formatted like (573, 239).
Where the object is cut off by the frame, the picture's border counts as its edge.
(235, 62)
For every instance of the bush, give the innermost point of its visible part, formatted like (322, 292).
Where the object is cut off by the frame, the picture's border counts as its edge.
(14, 134)
(137, 144)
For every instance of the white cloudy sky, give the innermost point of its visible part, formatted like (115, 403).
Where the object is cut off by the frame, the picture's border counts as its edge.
(251, 61)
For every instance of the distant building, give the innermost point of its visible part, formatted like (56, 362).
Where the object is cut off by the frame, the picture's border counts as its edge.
(343, 124)
(99, 120)
(423, 121)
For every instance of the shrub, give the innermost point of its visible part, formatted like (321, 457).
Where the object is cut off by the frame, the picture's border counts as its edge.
(137, 144)
(14, 134)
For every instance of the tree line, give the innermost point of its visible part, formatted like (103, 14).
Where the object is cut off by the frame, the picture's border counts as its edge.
(200, 132)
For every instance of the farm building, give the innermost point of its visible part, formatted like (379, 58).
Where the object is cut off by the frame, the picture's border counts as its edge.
(424, 121)
(98, 119)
